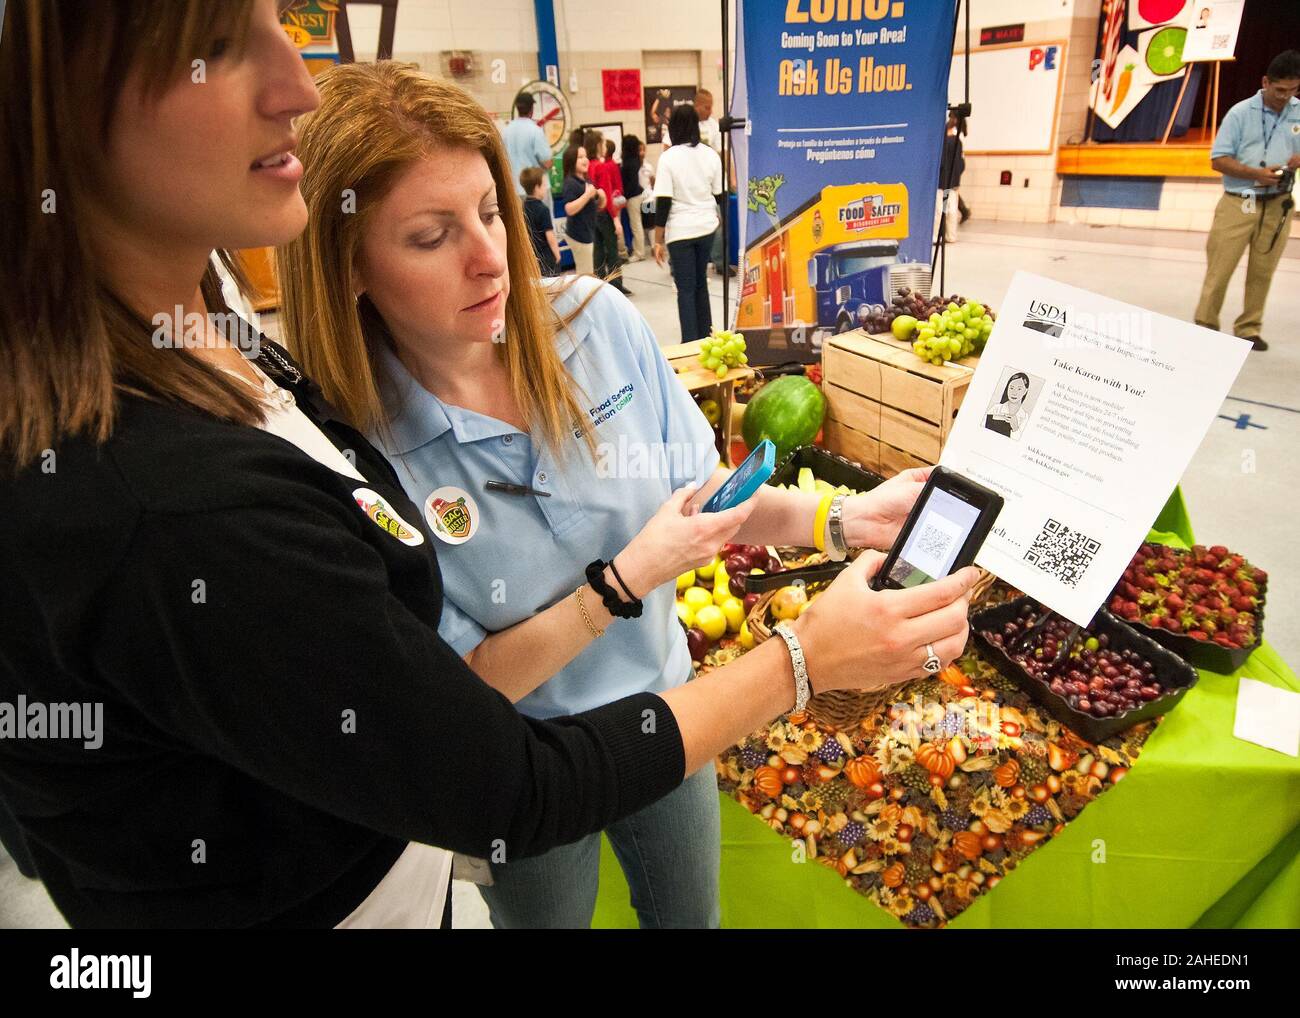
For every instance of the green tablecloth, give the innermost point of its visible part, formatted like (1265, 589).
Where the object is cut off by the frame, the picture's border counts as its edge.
(1204, 831)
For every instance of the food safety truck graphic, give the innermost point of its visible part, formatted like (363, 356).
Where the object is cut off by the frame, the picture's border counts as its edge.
(818, 270)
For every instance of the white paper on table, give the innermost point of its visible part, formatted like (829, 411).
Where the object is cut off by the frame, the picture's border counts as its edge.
(1268, 716)
(1118, 400)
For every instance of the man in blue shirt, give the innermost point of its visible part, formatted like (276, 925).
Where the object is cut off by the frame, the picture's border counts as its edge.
(1257, 150)
(525, 141)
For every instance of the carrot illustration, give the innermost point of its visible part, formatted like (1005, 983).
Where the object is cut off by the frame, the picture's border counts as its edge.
(1125, 80)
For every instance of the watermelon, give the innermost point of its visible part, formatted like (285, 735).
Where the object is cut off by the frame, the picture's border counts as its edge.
(788, 410)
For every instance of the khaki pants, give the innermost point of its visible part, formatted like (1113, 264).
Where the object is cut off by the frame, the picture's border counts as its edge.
(637, 247)
(1236, 230)
(583, 256)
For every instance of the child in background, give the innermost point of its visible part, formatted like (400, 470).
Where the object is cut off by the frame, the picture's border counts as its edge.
(538, 213)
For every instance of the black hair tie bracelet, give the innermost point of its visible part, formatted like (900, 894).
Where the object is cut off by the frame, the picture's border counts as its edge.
(614, 604)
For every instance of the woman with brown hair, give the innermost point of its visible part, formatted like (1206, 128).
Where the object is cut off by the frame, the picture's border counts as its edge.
(199, 552)
(541, 429)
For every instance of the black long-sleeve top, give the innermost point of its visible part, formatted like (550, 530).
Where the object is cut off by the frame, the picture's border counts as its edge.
(236, 611)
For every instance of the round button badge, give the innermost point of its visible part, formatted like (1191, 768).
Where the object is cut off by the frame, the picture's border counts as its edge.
(452, 514)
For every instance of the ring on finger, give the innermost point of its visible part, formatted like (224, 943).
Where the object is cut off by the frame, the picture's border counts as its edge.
(932, 663)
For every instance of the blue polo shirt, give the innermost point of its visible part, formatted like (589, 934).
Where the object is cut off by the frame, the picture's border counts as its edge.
(528, 552)
(1243, 134)
(526, 146)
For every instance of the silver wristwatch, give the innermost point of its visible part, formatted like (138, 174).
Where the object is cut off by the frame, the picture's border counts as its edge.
(801, 687)
(836, 548)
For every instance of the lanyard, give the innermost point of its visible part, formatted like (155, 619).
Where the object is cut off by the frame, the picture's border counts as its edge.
(1268, 138)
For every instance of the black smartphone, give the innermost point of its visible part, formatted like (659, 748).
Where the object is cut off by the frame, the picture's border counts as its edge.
(943, 532)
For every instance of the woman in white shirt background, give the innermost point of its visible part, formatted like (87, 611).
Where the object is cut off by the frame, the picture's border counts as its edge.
(688, 194)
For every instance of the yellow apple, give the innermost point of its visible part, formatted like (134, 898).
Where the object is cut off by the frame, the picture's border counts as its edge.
(734, 609)
(711, 620)
(745, 637)
(686, 614)
(696, 598)
(685, 580)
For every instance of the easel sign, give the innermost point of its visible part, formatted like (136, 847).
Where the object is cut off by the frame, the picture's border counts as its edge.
(1212, 34)
(1212, 38)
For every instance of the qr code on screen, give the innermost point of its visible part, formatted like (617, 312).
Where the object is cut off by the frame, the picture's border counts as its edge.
(1062, 552)
(934, 543)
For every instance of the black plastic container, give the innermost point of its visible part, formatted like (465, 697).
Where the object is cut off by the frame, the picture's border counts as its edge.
(828, 466)
(1171, 671)
(1205, 653)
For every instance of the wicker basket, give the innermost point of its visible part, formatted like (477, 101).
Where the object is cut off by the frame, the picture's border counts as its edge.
(844, 708)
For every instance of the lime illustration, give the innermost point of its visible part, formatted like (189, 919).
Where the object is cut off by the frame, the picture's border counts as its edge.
(1165, 54)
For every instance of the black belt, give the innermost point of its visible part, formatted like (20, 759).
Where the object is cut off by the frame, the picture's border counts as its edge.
(1258, 195)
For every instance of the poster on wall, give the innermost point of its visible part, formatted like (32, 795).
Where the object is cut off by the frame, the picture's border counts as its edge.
(621, 89)
(659, 103)
(1127, 91)
(608, 132)
(1150, 13)
(838, 173)
(1161, 50)
(311, 26)
(1213, 31)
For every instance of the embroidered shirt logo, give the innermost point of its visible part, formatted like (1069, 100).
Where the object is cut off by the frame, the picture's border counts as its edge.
(616, 402)
(385, 517)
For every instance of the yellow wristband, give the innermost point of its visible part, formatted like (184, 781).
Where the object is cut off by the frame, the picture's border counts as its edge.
(819, 522)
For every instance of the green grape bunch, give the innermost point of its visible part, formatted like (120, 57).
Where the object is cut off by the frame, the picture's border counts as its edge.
(955, 332)
(721, 351)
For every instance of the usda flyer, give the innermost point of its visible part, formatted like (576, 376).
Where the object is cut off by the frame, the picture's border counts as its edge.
(1083, 414)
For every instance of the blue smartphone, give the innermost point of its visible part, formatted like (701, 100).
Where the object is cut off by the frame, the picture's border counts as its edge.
(747, 479)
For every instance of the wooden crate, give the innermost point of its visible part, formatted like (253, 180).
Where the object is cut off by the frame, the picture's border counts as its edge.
(704, 384)
(886, 408)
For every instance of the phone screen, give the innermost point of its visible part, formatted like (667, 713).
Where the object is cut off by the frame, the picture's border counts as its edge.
(940, 533)
(741, 483)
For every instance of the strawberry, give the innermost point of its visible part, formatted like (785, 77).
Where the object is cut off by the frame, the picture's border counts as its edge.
(1243, 604)
(1247, 588)
(1219, 552)
(1197, 590)
(1174, 603)
(1172, 623)
(1196, 634)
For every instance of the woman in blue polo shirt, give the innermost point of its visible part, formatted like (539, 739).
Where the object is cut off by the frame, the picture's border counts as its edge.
(537, 458)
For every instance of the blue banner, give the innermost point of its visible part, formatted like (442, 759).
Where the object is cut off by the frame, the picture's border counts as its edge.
(838, 167)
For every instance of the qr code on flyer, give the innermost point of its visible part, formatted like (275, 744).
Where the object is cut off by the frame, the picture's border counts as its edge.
(1062, 552)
